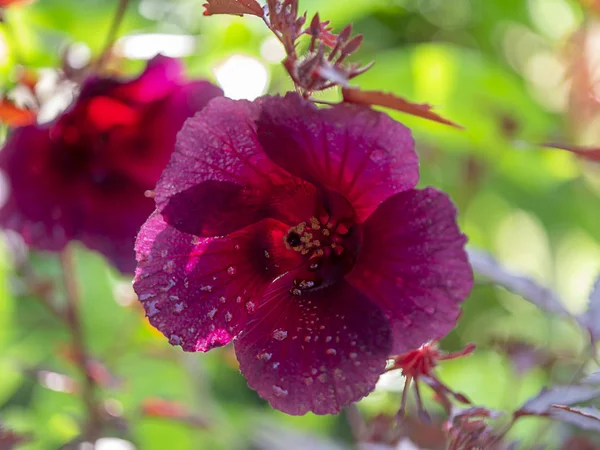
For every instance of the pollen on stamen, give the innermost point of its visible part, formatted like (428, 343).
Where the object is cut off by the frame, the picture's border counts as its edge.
(315, 224)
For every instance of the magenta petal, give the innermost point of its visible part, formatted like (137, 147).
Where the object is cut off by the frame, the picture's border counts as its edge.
(161, 76)
(413, 265)
(316, 352)
(219, 179)
(37, 205)
(200, 292)
(360, 153)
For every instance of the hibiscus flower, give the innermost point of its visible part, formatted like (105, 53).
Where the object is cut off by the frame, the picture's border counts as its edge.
(297, 233)
(83, 176)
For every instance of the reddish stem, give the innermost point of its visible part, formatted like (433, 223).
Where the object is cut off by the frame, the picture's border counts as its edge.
(112, 33)
(72, 317)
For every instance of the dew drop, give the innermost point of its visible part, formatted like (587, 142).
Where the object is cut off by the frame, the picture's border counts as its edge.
(179, 307)
(144, 297)
(168, 287)
(280, 392)
(322, 378)
(151, 309)
(279, 334)
(175, 298)
(236, 246)
(250, 307)
(267, 254)
(222, 299)
(211, 313)
(264, 356)
(228, 316)
(231, 270)
(169, 266)
(207, 288)
(430, 310)
(331, 351)
(164, 253)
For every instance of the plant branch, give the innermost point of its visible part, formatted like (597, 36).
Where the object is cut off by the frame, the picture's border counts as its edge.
(112, 33)
(88, 390)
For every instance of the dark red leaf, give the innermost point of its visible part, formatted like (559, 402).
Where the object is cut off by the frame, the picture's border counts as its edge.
(542, 403)
(586, 418)
(589, 153)
(168, 409)
(15, 116)
(315, 26)
(590, 319)
(391, 101)
(541, 296)
(353, 45)
(235, 7)
(10, 440)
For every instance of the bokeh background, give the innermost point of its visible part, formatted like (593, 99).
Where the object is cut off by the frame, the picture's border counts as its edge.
(515, 73)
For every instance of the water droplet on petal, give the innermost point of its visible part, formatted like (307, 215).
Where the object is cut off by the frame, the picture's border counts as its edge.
(331, 351)
(264, 356)
(430, 310)
(151, 309)
(222, 299)
(279, 334)
(279, 392)
(228, 316)
(250, 307)
(231, 270)
(322, 378)
(211, 313)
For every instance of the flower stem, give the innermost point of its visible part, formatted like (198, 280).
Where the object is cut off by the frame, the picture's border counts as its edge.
(94, 421)
(112, 33)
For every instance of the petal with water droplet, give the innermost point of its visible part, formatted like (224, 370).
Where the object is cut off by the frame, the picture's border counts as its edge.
(319, 375)
(413, 265)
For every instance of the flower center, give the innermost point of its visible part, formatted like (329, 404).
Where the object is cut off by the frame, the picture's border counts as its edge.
(330, 247)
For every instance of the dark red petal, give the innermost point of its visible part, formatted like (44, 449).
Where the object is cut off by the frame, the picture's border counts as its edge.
(218, 155)
(161, 76)
(413, 265)
(360, 153)
(35, 203)
(200, 292)
(106, 112)
(315, 352)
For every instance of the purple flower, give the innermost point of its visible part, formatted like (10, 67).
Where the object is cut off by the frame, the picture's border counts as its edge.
(84, 175)
(298, 232)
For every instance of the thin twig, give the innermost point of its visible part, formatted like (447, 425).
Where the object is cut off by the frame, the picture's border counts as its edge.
(88, 391)
(112, 33)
